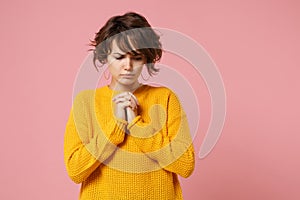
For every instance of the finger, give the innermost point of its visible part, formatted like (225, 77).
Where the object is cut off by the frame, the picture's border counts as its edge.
(133, 105)
(121, 99)
(124, 105)
(123, 94)
(134, 98)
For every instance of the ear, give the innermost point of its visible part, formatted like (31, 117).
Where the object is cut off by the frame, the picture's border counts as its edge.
(104, 61)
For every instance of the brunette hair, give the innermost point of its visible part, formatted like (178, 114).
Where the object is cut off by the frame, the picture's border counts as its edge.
(133, 35)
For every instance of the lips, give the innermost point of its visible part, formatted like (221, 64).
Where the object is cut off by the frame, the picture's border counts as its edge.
(127, 75)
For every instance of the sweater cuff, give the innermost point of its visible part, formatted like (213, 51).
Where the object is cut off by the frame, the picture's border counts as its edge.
(148, 138)
(139, 129)
(116, 131)
(134, 122)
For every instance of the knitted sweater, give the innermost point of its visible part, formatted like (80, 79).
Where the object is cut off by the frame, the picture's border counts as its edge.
(142, 164)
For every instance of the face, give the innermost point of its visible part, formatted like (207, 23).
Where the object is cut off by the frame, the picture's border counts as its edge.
(125, 68)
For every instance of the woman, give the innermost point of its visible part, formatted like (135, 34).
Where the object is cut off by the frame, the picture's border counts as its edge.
(127, 140)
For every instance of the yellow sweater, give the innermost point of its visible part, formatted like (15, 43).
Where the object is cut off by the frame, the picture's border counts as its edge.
(143, 164)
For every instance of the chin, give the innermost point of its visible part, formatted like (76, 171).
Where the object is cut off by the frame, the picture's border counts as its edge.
(126, 82)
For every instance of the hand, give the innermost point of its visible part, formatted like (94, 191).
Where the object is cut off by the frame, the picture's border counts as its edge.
(125, 101)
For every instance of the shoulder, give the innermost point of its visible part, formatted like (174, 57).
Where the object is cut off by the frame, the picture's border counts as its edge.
(164, 96)
(83, 96)
(88, 94)
(161, 94)
(160, 91)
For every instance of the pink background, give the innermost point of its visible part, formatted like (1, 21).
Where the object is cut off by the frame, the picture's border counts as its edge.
(255, 45)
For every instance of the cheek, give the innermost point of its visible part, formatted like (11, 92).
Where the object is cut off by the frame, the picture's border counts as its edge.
(113, 64)
(139, 69)
(113, 69)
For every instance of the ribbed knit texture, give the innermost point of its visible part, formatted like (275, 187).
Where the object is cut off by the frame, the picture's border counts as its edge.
(143, 164)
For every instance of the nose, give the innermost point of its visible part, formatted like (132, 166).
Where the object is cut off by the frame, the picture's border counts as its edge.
(127, 63)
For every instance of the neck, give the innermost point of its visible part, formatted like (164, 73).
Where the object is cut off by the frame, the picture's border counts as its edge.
(125, 88)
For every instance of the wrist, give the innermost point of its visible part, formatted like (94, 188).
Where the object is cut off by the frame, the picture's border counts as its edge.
(130, 114)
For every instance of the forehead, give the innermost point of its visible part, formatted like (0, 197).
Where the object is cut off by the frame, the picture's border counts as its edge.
(124, 46)
(115, 48)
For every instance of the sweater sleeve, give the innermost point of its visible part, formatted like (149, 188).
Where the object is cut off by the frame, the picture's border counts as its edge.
(85, 144)
(170, 144)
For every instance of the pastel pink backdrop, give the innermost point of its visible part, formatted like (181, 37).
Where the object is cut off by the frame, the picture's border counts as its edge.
(255, 45)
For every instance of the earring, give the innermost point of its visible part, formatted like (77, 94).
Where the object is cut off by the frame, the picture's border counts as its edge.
(105, 76)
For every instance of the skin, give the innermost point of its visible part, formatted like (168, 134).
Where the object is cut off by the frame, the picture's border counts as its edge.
(125, 70)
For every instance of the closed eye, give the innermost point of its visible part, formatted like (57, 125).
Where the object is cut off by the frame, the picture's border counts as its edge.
(138, 58)
(119, 58)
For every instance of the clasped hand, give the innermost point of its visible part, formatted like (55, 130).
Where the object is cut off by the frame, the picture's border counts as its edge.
(125, 106)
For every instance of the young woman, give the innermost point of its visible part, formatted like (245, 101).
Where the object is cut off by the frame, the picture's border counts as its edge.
(127, 140)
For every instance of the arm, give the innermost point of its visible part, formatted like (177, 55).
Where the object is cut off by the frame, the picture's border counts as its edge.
(85, 145)
(171, 145)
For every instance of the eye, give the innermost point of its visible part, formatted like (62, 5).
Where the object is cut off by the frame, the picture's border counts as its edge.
(138, 58)
(119, 58)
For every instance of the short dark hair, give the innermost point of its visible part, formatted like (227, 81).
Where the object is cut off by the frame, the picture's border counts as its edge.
(127, 29)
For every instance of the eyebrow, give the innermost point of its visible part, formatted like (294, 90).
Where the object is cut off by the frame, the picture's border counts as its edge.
(119, 53)
(122, 54)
